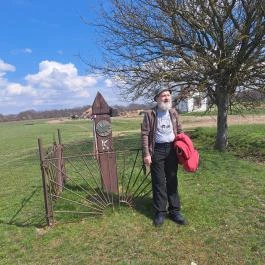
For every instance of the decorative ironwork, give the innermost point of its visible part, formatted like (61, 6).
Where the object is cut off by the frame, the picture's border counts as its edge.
(76, 180)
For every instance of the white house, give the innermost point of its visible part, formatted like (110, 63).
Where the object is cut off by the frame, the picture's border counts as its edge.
(194, 103)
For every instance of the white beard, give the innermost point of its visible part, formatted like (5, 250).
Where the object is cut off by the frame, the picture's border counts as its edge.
(164, 106)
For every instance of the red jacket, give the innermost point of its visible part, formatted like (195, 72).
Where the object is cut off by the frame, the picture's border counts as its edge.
(187, 155)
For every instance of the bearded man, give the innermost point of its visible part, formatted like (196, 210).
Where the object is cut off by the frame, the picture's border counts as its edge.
(159, 128)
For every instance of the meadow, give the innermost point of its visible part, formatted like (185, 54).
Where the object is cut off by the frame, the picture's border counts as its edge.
(224, 203)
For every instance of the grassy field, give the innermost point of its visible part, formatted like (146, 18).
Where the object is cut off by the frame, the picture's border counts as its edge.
(224, 203)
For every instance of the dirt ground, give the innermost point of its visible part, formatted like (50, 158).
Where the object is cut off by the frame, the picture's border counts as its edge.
(210, 121)
(189, 122)
(55, 121)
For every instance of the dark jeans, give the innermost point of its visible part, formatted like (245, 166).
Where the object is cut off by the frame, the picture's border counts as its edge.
(164, 178)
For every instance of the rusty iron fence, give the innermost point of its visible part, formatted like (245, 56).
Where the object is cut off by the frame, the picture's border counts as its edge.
(72, 180)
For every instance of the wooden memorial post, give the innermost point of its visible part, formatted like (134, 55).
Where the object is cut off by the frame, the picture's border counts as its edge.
(104, 144)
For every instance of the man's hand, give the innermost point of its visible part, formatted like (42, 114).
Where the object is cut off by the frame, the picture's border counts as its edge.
(147, 160)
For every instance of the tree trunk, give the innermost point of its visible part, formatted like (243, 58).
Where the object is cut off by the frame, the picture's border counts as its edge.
(221, 140)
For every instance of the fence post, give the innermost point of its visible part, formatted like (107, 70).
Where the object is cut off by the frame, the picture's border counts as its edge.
(62, 165)
(48, 208)
(59, 136)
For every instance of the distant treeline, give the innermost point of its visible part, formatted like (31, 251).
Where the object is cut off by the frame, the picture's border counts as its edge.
(62, 113)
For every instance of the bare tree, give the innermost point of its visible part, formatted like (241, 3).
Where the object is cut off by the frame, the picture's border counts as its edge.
(210, 46)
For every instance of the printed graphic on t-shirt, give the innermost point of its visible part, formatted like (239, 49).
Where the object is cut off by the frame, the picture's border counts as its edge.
(164, 125)
(164, 132)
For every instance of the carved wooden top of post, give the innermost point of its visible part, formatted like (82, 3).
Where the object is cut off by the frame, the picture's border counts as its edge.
(100, 106)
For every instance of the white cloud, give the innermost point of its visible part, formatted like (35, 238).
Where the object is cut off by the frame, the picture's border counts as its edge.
(27, 50)
(84, 94)
(19, 51)
(14, 89)
(18, 89)
(55, 76)
(109, 82)
(54, 85)
(5, 67)
(37, 102)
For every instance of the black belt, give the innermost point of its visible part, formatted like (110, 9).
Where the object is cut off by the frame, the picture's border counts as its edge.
(163, 145)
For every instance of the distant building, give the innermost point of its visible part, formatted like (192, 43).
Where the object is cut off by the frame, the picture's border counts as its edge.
(87, 114)
(192, 104)
(74, 117)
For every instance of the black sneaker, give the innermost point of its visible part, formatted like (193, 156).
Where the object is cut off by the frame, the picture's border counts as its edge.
(159, 218)
(177, 218)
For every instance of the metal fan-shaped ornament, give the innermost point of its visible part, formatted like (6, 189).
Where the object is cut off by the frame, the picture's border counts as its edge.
(86, 178)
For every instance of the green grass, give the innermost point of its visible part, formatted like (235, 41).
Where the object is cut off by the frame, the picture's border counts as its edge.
(247, 142)
(224, 203)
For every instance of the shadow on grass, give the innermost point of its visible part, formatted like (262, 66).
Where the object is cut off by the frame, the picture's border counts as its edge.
(80, 187)
(144, 206)
(37, 221)
(25, 218)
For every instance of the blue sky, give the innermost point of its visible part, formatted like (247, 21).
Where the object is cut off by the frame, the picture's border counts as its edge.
(39, 69)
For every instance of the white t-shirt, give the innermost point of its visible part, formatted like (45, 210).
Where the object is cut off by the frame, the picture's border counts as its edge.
(164, 132)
